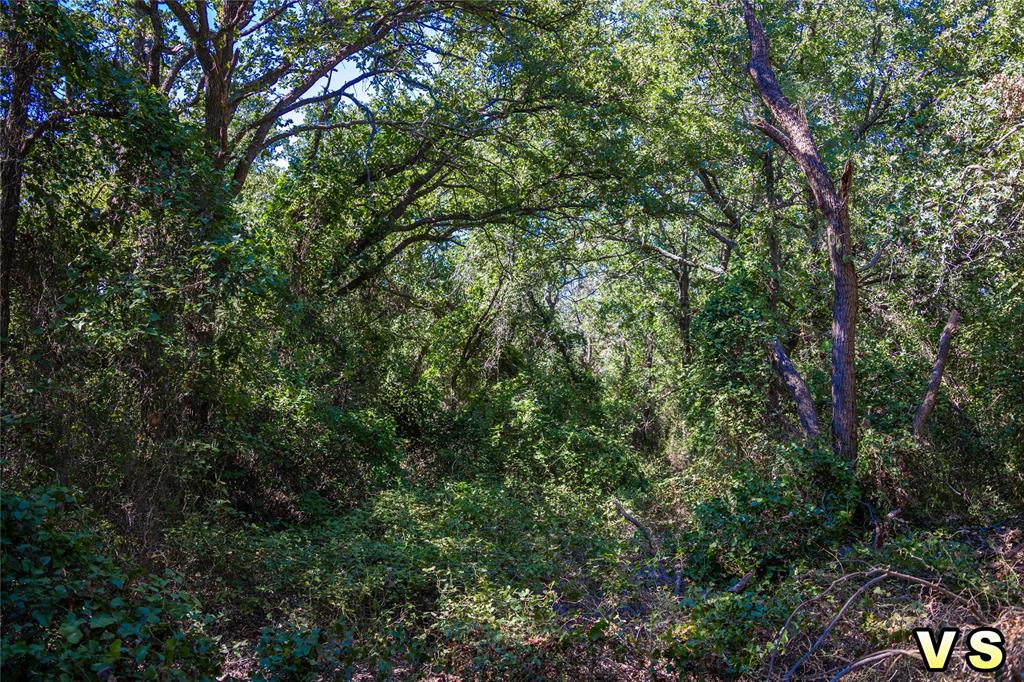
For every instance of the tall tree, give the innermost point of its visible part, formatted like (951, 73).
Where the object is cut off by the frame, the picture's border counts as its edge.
(796, 139)
(21, 62)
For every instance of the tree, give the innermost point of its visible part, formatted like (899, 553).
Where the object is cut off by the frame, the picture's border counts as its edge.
(260, 63)
(22, 62)
(796, 140)
(50, 77)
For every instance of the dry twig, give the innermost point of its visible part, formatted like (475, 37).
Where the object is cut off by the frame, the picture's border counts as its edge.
(875, 576)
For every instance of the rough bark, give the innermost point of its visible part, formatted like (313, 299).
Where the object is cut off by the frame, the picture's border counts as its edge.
(928, 402)
(794, 136)
(797, 390)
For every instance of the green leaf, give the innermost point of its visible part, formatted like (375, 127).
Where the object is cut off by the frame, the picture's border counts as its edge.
(101, 621)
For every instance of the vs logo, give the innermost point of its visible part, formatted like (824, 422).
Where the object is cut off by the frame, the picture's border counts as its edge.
(985, 649)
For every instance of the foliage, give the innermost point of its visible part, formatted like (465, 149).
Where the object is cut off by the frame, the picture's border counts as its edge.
(73, 611)
(769, 525)
(433, 338)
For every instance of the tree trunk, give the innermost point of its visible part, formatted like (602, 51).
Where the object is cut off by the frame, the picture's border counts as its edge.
(647, 434)
(928, 402)
(681, 270)
(796, 139)
(797, 390)
(21, 63)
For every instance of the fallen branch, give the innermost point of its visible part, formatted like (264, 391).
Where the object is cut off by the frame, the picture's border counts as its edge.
(969, 604)
(785, 626)
(832, 623)
(640, 525)
(875, 576)
(872, 659)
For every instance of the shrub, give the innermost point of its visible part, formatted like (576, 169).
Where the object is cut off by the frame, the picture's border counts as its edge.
(724, 634)
(289, 653)
(73, 612)
(767, 524)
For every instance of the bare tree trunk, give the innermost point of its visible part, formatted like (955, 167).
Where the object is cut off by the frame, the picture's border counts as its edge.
(647, 433)
(681, 270)
(22, 64)
(797, 390)
(796, 139)
(928, 402)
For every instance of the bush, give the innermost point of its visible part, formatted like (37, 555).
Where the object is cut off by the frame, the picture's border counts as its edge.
(724, 634)
(768, 524)
(73, 612)
(538, 434)
(288, 653)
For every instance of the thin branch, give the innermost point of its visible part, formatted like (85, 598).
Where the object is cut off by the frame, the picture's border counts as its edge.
(261, 82)
(832, 623)
(872, 659)
(879, 574)
(295, 130)
(777, 135)
(176, 67)
(657, 250)
(640, 525)
(266, 19)
(821, 595)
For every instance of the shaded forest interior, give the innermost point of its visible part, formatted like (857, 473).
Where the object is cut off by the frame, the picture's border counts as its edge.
(529, 340)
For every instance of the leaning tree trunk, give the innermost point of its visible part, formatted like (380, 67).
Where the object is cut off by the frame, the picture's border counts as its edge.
(796, 139)
(928, 402)
(798, 390)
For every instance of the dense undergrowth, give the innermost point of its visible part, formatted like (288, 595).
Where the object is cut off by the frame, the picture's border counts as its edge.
(487, 579)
